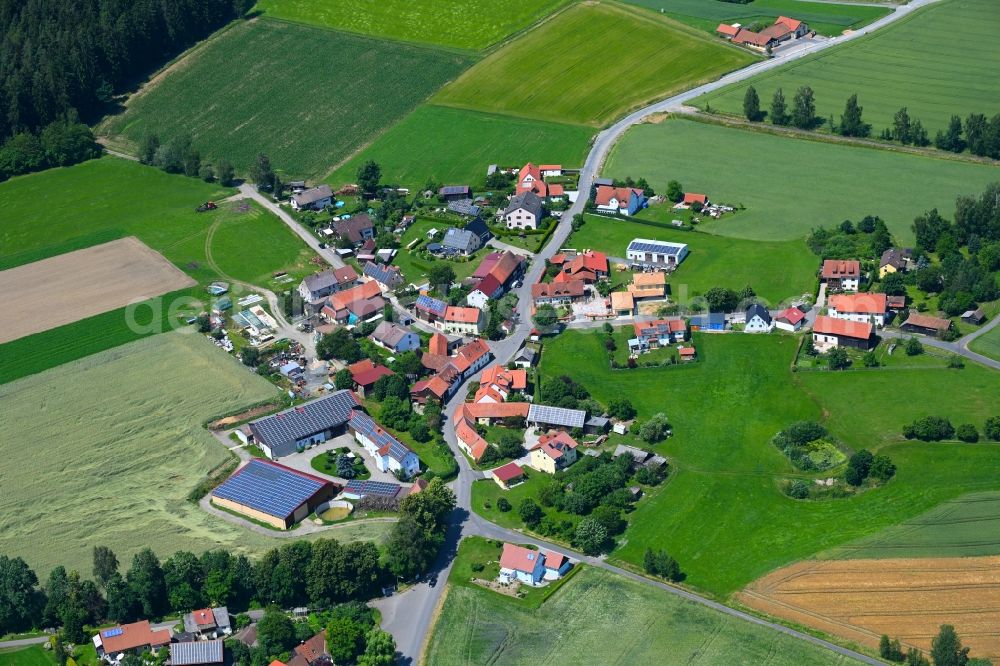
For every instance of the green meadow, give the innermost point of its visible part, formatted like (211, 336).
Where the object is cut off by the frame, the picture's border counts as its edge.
(453, 146)
(803, 184)
(987, 344)
(916, 62)
(722, 513)
(591, 64)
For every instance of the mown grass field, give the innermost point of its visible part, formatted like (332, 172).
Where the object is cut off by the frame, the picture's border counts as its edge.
(590, 64)
(456, 146)
(777, 270)
(35, 655)
(305, 96)
(916, 62)
(105, 450)
(824, 18)
(722, 514)
(599, 617)
(61, 210)
(987, 344)
(461, 24)
(966, 526)
(802, 185)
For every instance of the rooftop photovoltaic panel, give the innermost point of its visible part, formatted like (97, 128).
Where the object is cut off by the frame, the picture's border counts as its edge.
(196, 652)
(385, 275)
(269, 487)
(454, 189)
(298, 422)
(364, 424)
(432, 305)
(559, 416)
(659, 248)
(381, 488)
(116, 631)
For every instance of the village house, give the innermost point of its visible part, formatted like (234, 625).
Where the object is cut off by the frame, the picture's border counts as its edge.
(455, 192)
(461, 241)
(648, 285)
(365, 373)
(758, 319)
(865, 307)
(841, 274)
(525, 358)
(588, 266)
(208, 623)
(926, 324)
(660, 333)
(389, 453)
(395, 338)
(462, 320)
(429, 309)
(790, 320)
(531, 179)
(491, 413)
(622, 303)
(656, 254)
(508, 475)
(134, 638)
(524, 211)
(557, 293)
(298, 428)
(469, 440)
(783, 29)
(895, 260)
(355, 304)
(830, 332)
(389, 278)
(356, 230)
(464, 207)
(311, 652)
(318, 286)
(620, 200)
(504, 269)
(553, 452)
(687, 353)
(501, 381)
(521, 564)
(316, 198)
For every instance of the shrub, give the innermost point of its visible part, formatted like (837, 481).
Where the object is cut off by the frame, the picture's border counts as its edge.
(798, 489)
(655, 429)
(967, 433)
(858, 467)
(503, 504)
(913, 347)
(478, 566)
(660, 563)
(929, 429)
(882, 468)
(530, 512)
(956, 362)
(992, 428)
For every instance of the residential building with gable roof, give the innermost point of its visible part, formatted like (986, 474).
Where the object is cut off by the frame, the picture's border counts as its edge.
(355, 304)
(390, 335)
(842, 274)
(462, 320)
(621, 200)
(318, 286)
(557, 293)
(830, 332)
(357, 229)
(553, 452)
(863, 307)
(429, 309)
(315, 198)
(790, 320)
(522, 564)
(388, 277)
(524, 211)
(134, 638)
(208, 622)
(389, 453)
(656, 254)
(758, 319)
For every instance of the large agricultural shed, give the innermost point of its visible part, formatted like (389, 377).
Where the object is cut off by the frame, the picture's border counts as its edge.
(287, 432)
(272, 493)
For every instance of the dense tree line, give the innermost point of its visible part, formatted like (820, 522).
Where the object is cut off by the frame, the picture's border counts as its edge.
(318, 574)
(60, 143)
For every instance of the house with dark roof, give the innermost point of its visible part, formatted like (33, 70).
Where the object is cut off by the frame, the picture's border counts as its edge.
(480, 229)
(758, 319)
(926, 324)
(315, 198)
(306, 425)
(395, 338)
(656, 254)
(463, 207)
(560, 418)
(318, 286)
(455, 192)
(390, 454)
(196, 653)
(357, 229)
(429, 309)
(830, 332)
(976, 316)
(388, 277)
(208, 622)
(524, 211)
(356, 489)
(271, 493)
(895, 260)
(461, 241)
(712, 321)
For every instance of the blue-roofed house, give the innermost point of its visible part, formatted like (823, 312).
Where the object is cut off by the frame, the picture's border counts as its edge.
(389, 453)
(271, 493)
(298, 428)
(430, 309)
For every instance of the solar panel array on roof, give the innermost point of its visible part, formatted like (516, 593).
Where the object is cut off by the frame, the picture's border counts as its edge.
(558, 416)
(432, 305)
(115, 631)
(269, 487)
(659, 248)
(362, 423)
(365, 488)
(383, 274)
(300, 422)
(196, 652)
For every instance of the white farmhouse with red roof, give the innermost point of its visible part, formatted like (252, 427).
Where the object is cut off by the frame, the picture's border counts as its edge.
(531, 567)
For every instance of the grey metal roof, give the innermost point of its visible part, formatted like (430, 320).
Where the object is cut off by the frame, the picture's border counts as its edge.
(299, 422)
(269, 487)
(361, 422)
(660, 247)
(313, 195)
(529, 201)
(557, 416)
(448, 190)
(463, 207)
(197, 652)
(461, 239)
(380, 488)
(387, 275)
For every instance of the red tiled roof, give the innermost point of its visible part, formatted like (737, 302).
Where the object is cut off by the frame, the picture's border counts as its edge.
(474, 350)
(508, 472)
(554, 560)
(675, 325)
(558, 259)
(841, 268)
(345, 274)
(488, 392)
(557, 438)
(132, 636)
(694, 197)
(588, 261)
(519, 558)
(496, 410)
(842, 328)
(438, 344)
(312, 649)
(462, 315)
(564, 288)
(790, 23)
(792, 316)
(927, 321)
(489, 285)
(505, 267)
(486, 265)
(605, 193)
(556, 190)
(368, 377)
(516, 379)
(550, 167)
(687, 351)
(204, 617)
(465, 432)
(726, 29)
(859, 303)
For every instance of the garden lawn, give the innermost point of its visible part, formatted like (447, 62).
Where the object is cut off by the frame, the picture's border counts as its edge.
(591, 64)
(806, 184)
(305, 96)
(455, 146)
(988, 344)
(600, 617)
(722, 513)
(823, 17)
(487, 491)
(915, 62)
(777, 270)
(35, 655)
(462, 24)
(116, 444)
(415, 267)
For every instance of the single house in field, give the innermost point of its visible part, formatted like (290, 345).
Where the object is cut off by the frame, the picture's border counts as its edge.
(395, 338)
(829, 332)
(692, 198)
(208, 623)
(357, 229)
(926, 324)
(521, 564)
(841, 274)
(196, 653)
(388, 278)
(455, 192)
(531, 179)
(524, 211)
(318, 286)
(134, 638)
(271, 493)
(509, 475)
(298, 428)
(620, 200)
(389, 453)
(790, 320)
(895, 260)
(656, 254)
(758, 319)
(315, 198)
(557, 293)
(976, 316)
(461, 241)
(558, 418)
(859, 307)
(553, 452)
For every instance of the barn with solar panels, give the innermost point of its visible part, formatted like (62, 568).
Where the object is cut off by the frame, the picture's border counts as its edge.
(559, 418)
(301, 427)
(272, 493)
(390, 454)
(656, 254)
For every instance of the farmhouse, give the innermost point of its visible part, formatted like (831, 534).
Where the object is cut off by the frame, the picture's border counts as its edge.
(429, 309)
(271, 493)
(208, 623)
(389, 453)
(790, 320)
(622, 303)
(557, 293)
(387, 277)
(692, 198)
(524, 211)
(589, 266)
(895, 260)
(454, 192)
(783, 29)
(461, 241)
(133, 638)
(656, 254)
(465, 433)
(727, 31)
(356, 489)
(841, 274)
(196, 653)
(318, 286)
(462, 320)
(365, 373)
(356, 229)
(829, 332)
(503, 381)
(294, 429)
(559, 418)
(621, 200)
(355, 304)
(553, 452)
(758, 319)
(859, 307)
(648, 285)
(395, 338)
(315, 198)
(504, 269)
(926, 324)
(508, 475)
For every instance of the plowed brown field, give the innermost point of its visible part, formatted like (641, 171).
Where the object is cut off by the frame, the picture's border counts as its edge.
(906, 598)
